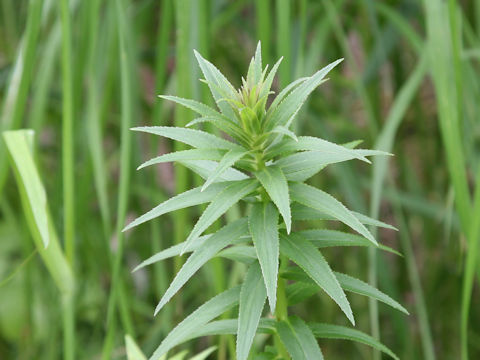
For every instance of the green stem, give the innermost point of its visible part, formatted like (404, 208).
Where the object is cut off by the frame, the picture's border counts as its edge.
(126, 116)
(420, 306)
(283, 41)
(68, 310)
(67, 134)
(469, 270)
(264, 34)
(281, 310)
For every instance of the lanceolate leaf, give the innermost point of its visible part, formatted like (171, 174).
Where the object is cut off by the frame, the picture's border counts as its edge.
(257, 68)
(227, 161)
(263, 224)
(347, 283)
(196, 138)
(230, 326)
(205, 313)
(205, 167)
(317, 199)
(223, 124)
(302, 212)
(284, 131)
(269, 80)
(170, 252)
(242, 253)
(214, 76)
(19, 144)
(133, 351)
(322, 238)
(310, 143)
(307, 256)
(329, 331)
(225, 236)
(357, 286)
(275, 183)
(192, 154)
(299, 339)
(252, 301)
(302, 161)
(196, 106)
(281, 96)
(292, 103)
(181, 201)
(204, 354)
(220, 204)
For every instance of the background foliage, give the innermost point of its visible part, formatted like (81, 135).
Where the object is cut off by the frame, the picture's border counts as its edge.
(80, 73)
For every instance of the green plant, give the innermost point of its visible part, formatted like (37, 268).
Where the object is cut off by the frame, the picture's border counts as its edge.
(264, 166)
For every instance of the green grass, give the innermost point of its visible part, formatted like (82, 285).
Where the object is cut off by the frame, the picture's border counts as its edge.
(81, 73)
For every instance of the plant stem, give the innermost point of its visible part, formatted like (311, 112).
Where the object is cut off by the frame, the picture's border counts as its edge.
(469, 269)
(67, 135)
(283, 41)
(263, 14)
(126, 116)
(281, 311)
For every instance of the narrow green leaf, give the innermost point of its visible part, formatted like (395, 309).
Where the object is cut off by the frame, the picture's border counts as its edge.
(317, 199)
(269, 80)
(257, 64)
(200, 317)
(223, 201)
(181, 201)
(227, 161)
(322, 238)
(196, 138)
(357, 286)
(302, 212)
(275, 183)
(214, 76)
(299, 339)
(223, 124)
(304, 161)
(242, 253)
(284, 131)
(281, 96)
(225, 236)
(19, 144)
(288, 108)
(192, 154)
(300, 291)
(347, 283)
(194, 105)
(180, 356)
(204, 354)
(263, 224)
(252, 301)
(205, 167)
(309, 258)
(328, 331)
(133, 351)
(230, 327)
(170, 252)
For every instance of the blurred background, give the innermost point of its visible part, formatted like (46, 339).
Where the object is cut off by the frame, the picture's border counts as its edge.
(81, 73)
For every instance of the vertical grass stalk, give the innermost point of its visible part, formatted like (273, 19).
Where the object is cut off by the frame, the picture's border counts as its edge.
(67, 134)
(126, 118)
